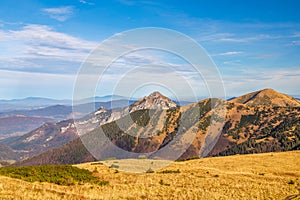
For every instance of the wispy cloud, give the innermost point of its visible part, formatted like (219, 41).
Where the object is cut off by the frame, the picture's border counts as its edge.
(41, 48)
(86, 2)
(59, 13)
(228, 53)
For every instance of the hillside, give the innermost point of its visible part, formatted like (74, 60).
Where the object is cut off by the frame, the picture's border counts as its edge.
(15, 125)
(267, 97)
(6, 153)
(247, 129)
(258, 176)
(46, 137)
(53, 135)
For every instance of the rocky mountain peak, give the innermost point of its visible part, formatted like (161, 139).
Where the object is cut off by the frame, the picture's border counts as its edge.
(100, 110)
(153, 101)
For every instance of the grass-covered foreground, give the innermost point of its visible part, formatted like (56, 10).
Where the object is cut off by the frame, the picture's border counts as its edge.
(58, 174)
(257, 176)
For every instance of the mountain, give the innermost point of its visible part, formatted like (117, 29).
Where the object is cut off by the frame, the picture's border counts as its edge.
(154, 101)
(267, 97)
(6, 153)
(18, 122)
(57, 112)
(52, 135)
(251, 125)
(48, 136)
(30, 103)
(107, 98)
(14, 125)
(62, 112)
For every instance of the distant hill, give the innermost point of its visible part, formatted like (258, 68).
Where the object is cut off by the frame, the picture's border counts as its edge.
(14, 125)
(263, 121)
(62, 112)
(30, 103)
(18, 122)
(48, 136)
(6, 153)
(57, 112)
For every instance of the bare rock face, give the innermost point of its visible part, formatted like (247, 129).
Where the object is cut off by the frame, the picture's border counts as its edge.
(154, 101)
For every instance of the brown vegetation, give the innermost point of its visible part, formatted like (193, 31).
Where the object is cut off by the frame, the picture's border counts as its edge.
(258, 176)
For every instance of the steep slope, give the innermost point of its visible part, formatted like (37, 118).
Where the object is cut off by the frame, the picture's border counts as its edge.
(267, 97)
(52, 135)
(249, 128)
(142, 131)
(154, 101)
(46, 137)
(259, 129)
(71, 153)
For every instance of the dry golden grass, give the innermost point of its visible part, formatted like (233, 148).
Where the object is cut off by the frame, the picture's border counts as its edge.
(261, 176)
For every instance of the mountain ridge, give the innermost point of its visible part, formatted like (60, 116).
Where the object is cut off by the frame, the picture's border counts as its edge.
(243, 123)
(266, 97)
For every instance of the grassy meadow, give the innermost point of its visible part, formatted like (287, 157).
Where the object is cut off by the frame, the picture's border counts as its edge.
(257, 176)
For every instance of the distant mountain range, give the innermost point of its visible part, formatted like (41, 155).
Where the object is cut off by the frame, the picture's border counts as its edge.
(51, 135)
(18, 122)
(261, 121)
(38, 102)
(16, 125)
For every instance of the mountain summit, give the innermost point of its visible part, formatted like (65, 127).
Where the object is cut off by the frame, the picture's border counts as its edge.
(267, 97)
(154, 101)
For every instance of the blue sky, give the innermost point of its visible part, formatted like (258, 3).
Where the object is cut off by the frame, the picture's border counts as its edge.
(254, 44)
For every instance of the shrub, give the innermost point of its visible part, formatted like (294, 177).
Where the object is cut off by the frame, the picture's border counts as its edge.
(58, 174)
(142, 157)
(170, 171)
(97, 163)
(150, 170)
(163, 183)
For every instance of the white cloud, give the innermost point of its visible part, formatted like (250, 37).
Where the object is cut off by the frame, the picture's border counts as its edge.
(59, 13)
(34, 41)
(86, 2)
(229, 53)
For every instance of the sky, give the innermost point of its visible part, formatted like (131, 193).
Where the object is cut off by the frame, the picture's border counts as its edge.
(45, 43)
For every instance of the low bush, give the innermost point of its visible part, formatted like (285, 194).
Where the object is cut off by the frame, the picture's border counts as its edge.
(170, 172)
(58, 174)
